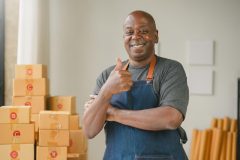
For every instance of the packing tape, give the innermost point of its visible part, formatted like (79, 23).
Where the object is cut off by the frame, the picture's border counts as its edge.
(13, 115)
(16, 133)
(29, 71)
(29, 87)
(53, 152)
(15, 152)
(56, 125)
(58, 103)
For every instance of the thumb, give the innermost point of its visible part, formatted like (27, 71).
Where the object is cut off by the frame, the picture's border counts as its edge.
(118, 66)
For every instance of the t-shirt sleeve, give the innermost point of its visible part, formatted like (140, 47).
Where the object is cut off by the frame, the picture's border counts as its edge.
(173, 88)
(101, 79)
(98, 85)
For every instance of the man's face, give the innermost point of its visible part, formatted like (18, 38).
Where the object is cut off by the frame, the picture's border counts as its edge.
(140, 35)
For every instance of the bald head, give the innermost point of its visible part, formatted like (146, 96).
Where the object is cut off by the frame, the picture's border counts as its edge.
(143, 14)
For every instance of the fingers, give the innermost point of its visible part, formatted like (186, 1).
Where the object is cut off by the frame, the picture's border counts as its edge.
(89, 102)
(92, 96)
(126, 87)
(119, 65)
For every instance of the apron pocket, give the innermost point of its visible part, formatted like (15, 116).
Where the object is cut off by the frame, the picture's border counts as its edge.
(154, 157)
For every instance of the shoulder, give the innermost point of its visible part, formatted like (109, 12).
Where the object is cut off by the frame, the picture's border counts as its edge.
(105, 74)
(165, 65)
(165, 62)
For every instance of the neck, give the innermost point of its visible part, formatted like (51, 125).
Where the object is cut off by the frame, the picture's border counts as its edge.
(141, 63)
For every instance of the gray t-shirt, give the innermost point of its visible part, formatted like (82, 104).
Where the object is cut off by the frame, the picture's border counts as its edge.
(169, 82)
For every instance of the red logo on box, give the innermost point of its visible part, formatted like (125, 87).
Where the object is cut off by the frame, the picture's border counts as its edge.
(28, 104)
(13, 115)
(16, 133)
(29, 87)
(29, 71)
(53, 154)
(59, 106)
(14, 154)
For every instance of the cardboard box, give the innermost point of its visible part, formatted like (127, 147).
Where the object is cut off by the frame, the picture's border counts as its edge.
(17, 152)
(36, 137)
(38, 103)
(74, 122)
(53, 120)
(77, 142)
(62, 103)
(56, 138)
(76, 156)
(35, 120)
(51, 153)
(30, 87)
(17, 133)
(15, 114)
(30, 71)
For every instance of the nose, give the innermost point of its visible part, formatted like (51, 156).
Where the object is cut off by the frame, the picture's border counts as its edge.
(136, 35)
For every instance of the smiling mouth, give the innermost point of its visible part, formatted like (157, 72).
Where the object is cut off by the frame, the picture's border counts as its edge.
(136, 45)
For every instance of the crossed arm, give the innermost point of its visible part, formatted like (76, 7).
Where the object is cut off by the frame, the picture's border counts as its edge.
(98, 110)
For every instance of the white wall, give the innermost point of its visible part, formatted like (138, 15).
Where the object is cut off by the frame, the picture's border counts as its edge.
(86, 37)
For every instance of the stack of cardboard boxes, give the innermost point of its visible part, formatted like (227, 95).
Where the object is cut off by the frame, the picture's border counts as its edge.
(77, 149)
(53, 135)
(57, 132)
(17, 133)
(30, 88)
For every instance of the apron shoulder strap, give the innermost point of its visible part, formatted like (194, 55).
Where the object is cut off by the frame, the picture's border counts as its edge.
(150, 70)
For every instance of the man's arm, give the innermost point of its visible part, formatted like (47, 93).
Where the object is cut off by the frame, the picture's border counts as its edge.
(94, 116)
(159, 118)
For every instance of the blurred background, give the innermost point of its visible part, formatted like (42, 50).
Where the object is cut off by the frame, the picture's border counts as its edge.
(77, 39)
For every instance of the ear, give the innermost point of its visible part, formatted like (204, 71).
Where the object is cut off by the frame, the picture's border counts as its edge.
(156, 36)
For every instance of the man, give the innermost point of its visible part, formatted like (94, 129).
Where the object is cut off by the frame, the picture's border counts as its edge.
(141, 102)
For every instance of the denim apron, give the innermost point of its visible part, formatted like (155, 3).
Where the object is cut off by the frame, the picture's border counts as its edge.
(128, 143)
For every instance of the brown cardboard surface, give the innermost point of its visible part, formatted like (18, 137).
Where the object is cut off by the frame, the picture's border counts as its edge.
(62, 103)
(72, 156)
(30, 87)
(56, 138)
(38, 103)
(30, 71)
(77, 142)
(17, 152)
(51, 153)
(15, 114)
(54, 120)
(17, 133)
(35, 120)
(74, 122)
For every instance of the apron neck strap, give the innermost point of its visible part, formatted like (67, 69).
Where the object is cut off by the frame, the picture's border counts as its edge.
(150, 70)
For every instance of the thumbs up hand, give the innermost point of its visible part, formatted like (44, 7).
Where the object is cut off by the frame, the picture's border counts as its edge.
(118, 81)
(119, 65)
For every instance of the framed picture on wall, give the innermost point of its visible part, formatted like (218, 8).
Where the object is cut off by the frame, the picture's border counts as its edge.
(1, 52)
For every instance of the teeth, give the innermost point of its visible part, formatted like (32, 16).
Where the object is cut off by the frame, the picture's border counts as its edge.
(137, 45)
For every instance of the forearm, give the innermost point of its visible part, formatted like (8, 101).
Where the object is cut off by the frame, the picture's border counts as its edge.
(94, 116)
(154, 119)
